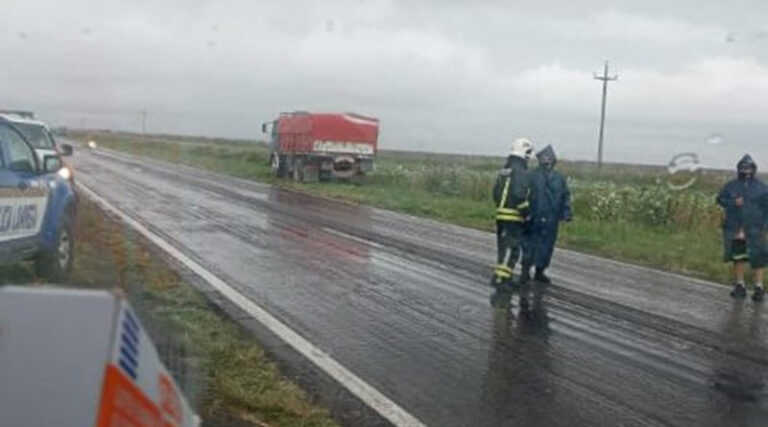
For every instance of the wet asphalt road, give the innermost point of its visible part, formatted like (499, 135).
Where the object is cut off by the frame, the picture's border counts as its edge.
(404, 303)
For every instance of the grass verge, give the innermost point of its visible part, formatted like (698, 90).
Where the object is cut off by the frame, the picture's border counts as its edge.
(226, 375)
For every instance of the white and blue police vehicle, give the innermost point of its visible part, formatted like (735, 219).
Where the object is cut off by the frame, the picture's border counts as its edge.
(37, 133)
(38, 206)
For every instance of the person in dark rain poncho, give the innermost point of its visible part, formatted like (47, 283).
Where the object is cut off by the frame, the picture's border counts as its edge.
(745, 202)
(550, 204)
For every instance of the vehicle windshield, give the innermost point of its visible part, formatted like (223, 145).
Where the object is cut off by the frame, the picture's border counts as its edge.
(36, 135)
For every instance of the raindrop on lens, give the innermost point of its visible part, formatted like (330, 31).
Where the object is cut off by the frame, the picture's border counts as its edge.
(684, 169)
(715, 139)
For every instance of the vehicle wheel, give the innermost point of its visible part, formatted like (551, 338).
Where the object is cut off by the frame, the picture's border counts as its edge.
(298, 171)
(278, 166)
(56, 264)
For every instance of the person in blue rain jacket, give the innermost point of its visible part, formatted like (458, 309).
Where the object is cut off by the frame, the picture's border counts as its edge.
(550, 204)
(745, 204)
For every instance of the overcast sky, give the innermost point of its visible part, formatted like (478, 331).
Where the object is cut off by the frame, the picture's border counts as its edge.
(450, 76)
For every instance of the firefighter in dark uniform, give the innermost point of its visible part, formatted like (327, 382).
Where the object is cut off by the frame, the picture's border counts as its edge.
(511, 194)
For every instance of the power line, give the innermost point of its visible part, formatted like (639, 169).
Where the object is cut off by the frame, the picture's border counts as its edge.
(605, 79)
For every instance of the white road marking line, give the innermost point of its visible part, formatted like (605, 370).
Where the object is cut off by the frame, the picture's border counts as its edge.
(356, 385)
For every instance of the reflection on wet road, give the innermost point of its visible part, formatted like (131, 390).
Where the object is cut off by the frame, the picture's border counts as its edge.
(741, 383)
(403, 303)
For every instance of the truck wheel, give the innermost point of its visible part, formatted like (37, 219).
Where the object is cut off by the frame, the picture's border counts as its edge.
(278, 166)
(55, 264)
(298, 171)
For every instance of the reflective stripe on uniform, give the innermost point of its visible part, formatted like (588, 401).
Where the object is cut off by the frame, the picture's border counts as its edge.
(507, 255)
(508, 214)
(505, 193)
(503, 271)
(504, 213)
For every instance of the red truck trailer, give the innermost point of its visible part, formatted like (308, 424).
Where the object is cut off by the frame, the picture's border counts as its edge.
(313, 146)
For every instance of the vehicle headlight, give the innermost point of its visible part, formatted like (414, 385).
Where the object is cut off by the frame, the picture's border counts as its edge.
(65, 173)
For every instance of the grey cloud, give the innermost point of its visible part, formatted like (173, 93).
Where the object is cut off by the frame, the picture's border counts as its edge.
(448, 75)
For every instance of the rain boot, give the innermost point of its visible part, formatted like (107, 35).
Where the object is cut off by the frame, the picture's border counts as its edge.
(759, 294)
(739, 291)
(541, 277)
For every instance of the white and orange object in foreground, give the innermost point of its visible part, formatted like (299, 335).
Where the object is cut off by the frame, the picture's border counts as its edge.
(79, 358)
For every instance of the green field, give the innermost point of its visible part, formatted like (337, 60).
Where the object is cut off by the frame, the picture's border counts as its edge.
(222, 370)
(625, 212)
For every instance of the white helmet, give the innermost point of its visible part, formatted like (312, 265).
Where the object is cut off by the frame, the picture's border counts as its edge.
(523, 148)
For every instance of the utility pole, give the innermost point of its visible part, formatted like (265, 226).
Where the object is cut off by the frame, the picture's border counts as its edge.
(605, 78)
(143, 122)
